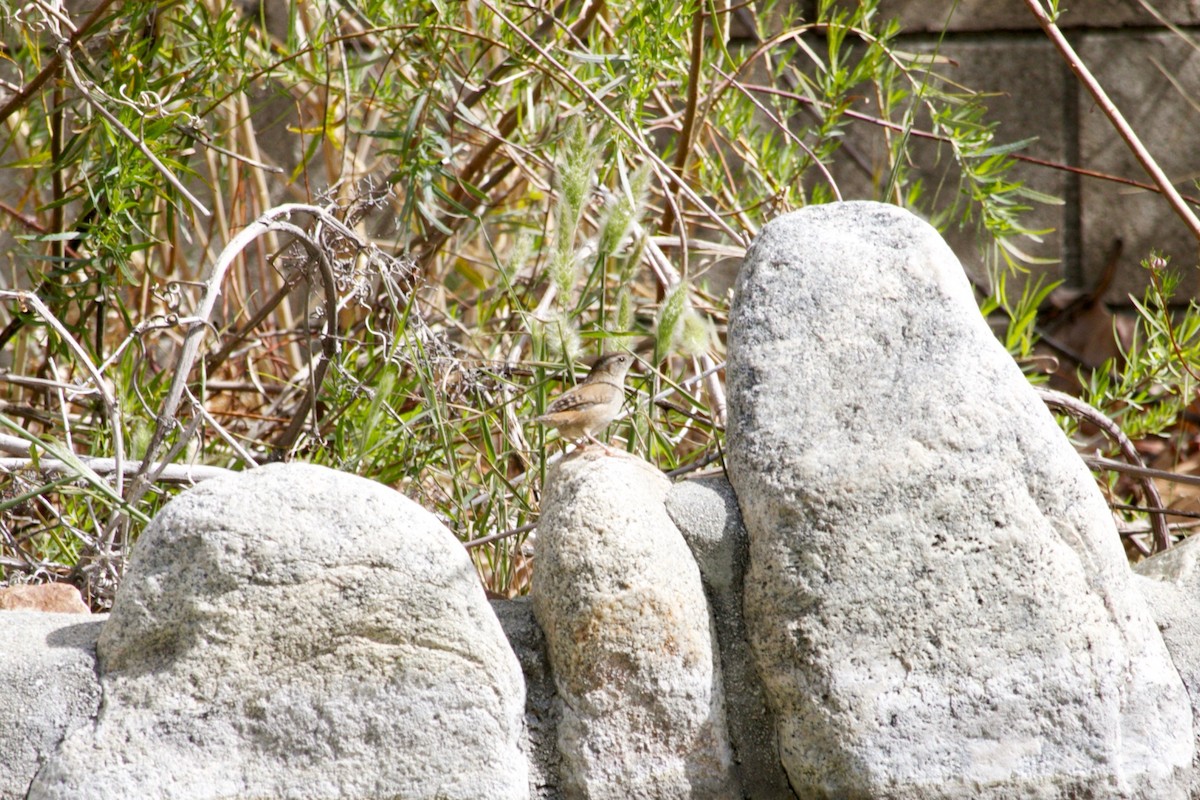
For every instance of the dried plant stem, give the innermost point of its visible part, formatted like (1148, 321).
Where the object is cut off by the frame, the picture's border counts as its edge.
(171, 473)
(111, 409)
(69, 64)
(328, 339)
(687, 131)
(52, 66)
(1097, 462)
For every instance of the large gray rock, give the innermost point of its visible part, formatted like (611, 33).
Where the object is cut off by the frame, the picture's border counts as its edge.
(706, 512)
(1170, 582)
(937, 599)
(48, 675)
(296, 632)
(630, 638)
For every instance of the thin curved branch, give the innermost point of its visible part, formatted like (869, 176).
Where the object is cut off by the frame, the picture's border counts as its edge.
(191, 343)
(329, 344)
(1081, 410)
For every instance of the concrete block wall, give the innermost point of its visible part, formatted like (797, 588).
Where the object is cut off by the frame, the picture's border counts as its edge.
(1152, 74)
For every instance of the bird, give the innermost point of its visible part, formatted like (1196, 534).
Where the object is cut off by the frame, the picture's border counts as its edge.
(580, 412)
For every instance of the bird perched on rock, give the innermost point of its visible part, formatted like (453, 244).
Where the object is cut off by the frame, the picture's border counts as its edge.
(581, 412)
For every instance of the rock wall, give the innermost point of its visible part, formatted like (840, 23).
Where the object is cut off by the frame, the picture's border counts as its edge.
(909, 587)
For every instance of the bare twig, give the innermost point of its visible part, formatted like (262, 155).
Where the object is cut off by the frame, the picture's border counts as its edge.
(495, 537)
(1170, 512)
(172, 473)
(715, 454)
(1124, 130)
(328, 338)
(1137, 470)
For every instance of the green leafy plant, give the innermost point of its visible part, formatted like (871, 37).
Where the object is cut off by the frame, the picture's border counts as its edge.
(1148, 389)
(382, 237)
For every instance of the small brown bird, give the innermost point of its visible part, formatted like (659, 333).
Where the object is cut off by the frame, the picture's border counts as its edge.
(581, 412)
